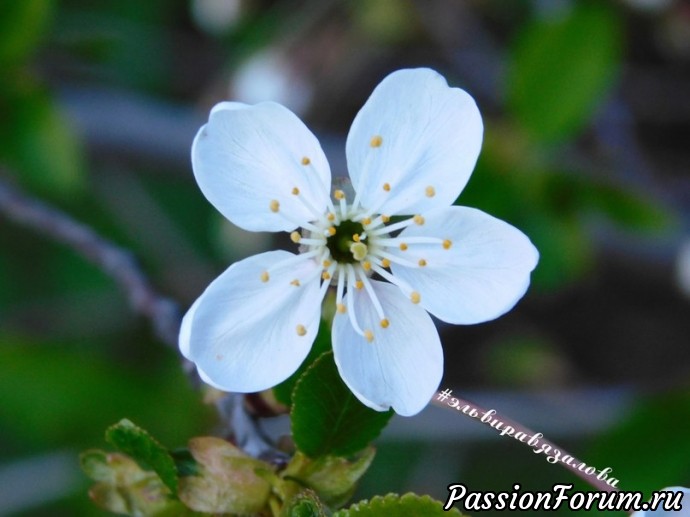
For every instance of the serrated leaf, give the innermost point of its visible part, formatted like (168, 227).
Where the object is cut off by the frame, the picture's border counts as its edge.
(123, 487)
(304, 504)
(327, 419)
(227, 479)
(333, 478)
(562, 68)
(393, 505)
(139, 444)
(322, 344)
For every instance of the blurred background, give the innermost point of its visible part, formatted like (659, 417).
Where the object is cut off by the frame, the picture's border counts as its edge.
(586, 150)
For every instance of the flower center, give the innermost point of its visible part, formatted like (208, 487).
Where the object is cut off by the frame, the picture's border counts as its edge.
(345, 245)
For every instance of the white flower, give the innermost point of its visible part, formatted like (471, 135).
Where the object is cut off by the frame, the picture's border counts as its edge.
(410, 151)
(671, 498)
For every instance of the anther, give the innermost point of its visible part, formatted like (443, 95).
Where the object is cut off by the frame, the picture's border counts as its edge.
(341, 308)
(366, 265)
(295, 237)
(274, 206)
(306, 161)
(265, 277)
(421, 262)
(326, 263)
(295, 282)
(331, 231)
(355, 237)
(295, 191)
(376, 141)
(385, 218)
(330, 217)
(447, 244)
(369, 335)
(325, 275)
(430, 191)
(366, 221)
(403, 246)
(385, 263)
(339, 194)
(387, 187)
(301, 330)
(359, 284)
(418, 219)
(385, 323)
(415, 297)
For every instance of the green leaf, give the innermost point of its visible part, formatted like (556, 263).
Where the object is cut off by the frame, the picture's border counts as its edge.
(322, 343)
(227, 479)
(393, 505)
(562, 68)
(333, 478)
(23, 25)
(139, 444)
(326, 416)
(123, 487)
(304, 504)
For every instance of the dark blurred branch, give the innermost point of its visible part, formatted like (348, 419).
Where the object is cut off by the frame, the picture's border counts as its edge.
(119, 264)
(116, 262)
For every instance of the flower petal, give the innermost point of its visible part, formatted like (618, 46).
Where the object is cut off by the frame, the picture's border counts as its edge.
(413, 145)
(483, 273)
(248, 159)
(403, 365)
(246, 334)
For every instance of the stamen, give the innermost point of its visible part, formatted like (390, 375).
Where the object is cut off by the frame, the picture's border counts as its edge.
(403, 246)
(331, 231)
(430, 191)
(398, 226)
(366, 265)
(325, 276)
(355, 237)
(404, 286)
(330, 217)
(385, 323)
(386, 263)
(372, 295)
(325, 285)
(415, 297)
(295, 191)
(394, 242)
(366, 221)
(295, 237)
(376, 141)
(359, 284)
(306, 161)
(418, 219)
(341, 308)
(265, 277)
(326, 263)
(339, 195)
(385, 218)
(447, 244)
(369, 335)
(295, 282)
(274, 206)
(387, 187)
(397, 260)
(340, 289)
(350, 300)
(421, 262)
(301, 330)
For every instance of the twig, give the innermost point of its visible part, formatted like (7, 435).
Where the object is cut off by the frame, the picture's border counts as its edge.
(592, 480)
(119, 264)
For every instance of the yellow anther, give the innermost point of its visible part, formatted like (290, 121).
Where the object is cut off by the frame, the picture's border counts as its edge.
(376, 141)
(387, 187)
(418, 219)
(447, 244)
(421, 262)
(359, 250)
(274, 205)
(306, 161)
(369, 335)
(385, 323)
(326, 263)
(265, 277)
(415, 297)
(359, 284)
(341, 308)
(326, 275)
(339, 194)
(355, 237)
(301, 330)
(366, 221)
(330, 217)
(331, 231)
(295, 237)
(403, 246)
(385, 218)
(295, 282)
(295, 191)
(430, 191)
(366, 265)
(386, 263)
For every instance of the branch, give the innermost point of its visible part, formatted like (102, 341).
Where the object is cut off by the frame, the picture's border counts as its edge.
(119, 264)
